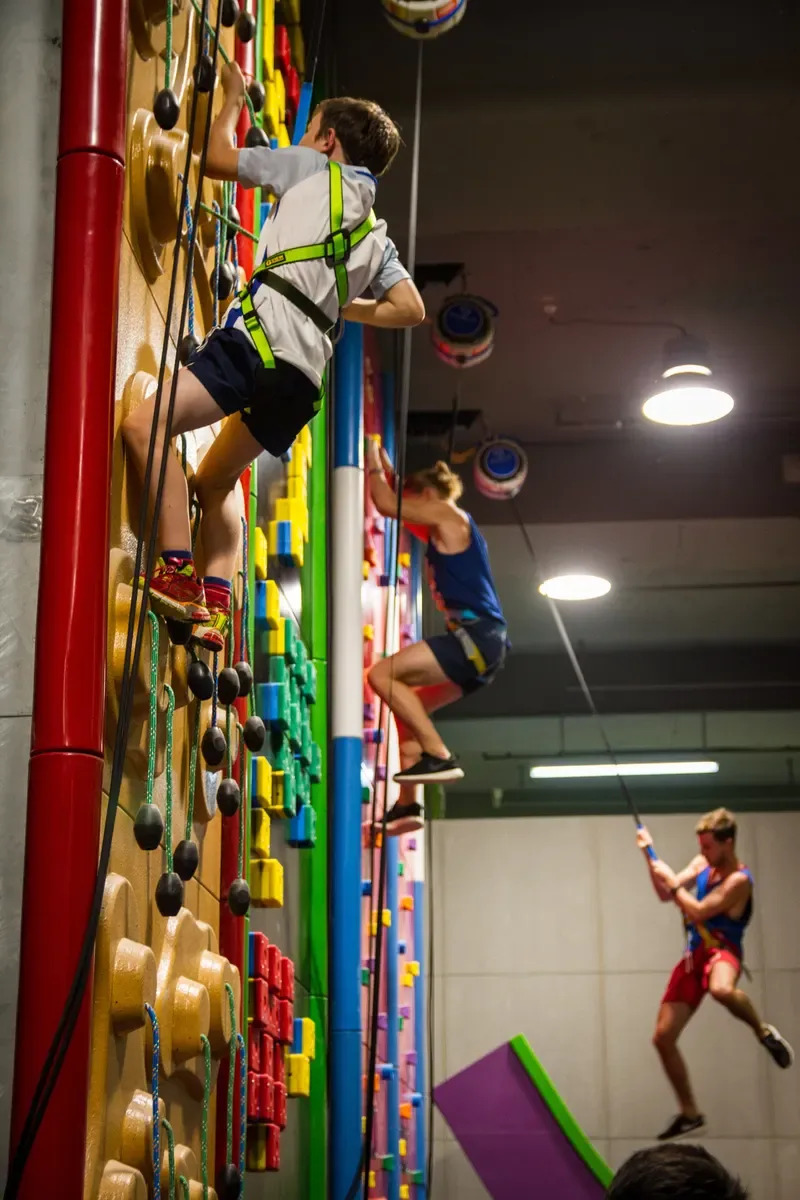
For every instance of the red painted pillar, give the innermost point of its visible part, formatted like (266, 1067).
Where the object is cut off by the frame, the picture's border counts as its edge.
(246, 58)
(65, 779)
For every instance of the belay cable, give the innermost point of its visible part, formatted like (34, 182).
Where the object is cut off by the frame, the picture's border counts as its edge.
(133, 644)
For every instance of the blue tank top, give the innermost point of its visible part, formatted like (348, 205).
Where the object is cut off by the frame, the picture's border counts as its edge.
(462, 583)
(728, 930)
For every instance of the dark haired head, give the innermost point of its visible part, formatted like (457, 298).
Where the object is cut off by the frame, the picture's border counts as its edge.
(674, 1172)
(368, 135)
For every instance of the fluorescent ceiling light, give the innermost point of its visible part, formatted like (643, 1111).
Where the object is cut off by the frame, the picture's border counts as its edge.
(604, 770)
(575, 587)
(688, 404)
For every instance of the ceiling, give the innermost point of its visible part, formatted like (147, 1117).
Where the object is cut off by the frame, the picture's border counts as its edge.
(631, 163)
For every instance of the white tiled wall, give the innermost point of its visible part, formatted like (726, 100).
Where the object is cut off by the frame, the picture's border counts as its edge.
(549, 927)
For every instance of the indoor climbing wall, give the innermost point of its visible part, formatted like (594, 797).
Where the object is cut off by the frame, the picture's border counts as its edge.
(207, 955)
(397, 1087)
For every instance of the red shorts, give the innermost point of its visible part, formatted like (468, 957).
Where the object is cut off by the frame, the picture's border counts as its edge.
(689, 986)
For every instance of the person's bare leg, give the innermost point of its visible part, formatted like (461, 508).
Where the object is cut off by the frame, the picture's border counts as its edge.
(432, 698)
(215, 488)
(672, 1020)
(194, 409)
(722, 987)
(395, 680)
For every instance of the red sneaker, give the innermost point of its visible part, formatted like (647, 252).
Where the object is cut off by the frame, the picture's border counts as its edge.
(211, 635)
(175, 591)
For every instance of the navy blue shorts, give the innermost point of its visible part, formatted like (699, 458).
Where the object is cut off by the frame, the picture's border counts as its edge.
(280, 399)
(491, 639)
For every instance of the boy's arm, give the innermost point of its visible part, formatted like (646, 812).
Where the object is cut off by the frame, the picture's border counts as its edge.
(401, 307)
(222, 159)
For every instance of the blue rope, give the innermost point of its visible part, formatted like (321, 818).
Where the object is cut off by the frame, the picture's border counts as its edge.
(188, 209)
(151, 1012)
(242, 1103)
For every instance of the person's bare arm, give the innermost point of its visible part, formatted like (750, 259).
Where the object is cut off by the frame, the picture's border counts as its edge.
(729, 894)
(400, 308)
(222, 159)
(655, 866)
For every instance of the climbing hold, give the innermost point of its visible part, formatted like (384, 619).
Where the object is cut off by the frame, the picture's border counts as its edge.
(255, 136)
(233, 215)
(238, 901)
(228, 797)
(148, 828)
(204, 73)
(254, 734)
(186, 348)
(246, 27)
(186, 858)
(228, 1182)
(179, 632)
(500, 469)
(213, 746)
(227, 686)
(226, 282)
(230, 13)
(166, 109)
(201, 681)
(242, 669)
(257, 96)
(169, 894)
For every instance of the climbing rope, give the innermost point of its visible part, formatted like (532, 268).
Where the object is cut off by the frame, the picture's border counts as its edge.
(168, 805)
(231, 1074)
(242, 1102)
(152, 732)
(168, 48)
(242, 803)
(171, 1156)
(193, 769)
(225, 58)
(206, 1101)
(217, 260)
(245, 652)
(189, 241)
(154, 1070)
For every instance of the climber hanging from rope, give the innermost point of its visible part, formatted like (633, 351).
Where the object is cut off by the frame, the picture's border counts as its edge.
(716, 918)
(422, 678)
(320, 250)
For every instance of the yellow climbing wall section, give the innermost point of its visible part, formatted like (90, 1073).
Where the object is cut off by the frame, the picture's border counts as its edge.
(143, 958)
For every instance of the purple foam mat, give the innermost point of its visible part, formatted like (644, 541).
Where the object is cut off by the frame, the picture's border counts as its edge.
(510, 1136)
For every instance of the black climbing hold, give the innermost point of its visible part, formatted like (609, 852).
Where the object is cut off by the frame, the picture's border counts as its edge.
(255, 136)
(169, 894)
(213, 746)
(179, 632)
(227, 686)
(242, 669)
(229, 1182)
(166, 109)
(238, 903)
(246, 27)
(204, 73)
(230, 13)
(185, 858)
(228, 797)
(201, 681)
(254, 734)
(233, 216)
(148, 827)
(186, 348)
(257, 95)
(226, 282)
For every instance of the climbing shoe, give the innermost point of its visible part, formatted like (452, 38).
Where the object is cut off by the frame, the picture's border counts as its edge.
(681, 1127)
(404, 818)
(211, 635)
(431, 769)
(778, 1047)
(175, 591)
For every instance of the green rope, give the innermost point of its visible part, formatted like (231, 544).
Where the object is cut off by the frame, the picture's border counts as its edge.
(225, 221)
(171, 1154)
(168, 47)
(184, 1182)
(182, 439)
(226, 60)
(206, 1044)
(231, 1075)
(168, 806)
(193, 771)
(243, 800)
(152, 735)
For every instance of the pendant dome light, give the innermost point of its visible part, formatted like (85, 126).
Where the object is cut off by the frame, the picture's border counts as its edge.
(684, 394)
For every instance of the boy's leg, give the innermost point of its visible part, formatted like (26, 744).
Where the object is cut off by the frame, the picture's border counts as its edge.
(194, 409)
(215, 487)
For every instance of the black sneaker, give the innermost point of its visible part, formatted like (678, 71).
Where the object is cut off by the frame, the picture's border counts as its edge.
(778, 1047)
(681, 1127)
(431, 769)
(404, 818)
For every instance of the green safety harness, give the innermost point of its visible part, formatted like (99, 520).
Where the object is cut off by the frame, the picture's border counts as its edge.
(334, 251)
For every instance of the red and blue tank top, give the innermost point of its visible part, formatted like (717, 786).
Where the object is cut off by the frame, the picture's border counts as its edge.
(728, 931)
(462, 584)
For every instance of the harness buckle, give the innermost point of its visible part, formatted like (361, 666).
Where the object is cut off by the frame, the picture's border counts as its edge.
(336, 248)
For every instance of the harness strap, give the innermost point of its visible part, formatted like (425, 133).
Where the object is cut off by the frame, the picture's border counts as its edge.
(293, 294)
(468, 646)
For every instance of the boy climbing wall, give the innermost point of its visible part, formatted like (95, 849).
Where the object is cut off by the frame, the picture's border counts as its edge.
(320, 249)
